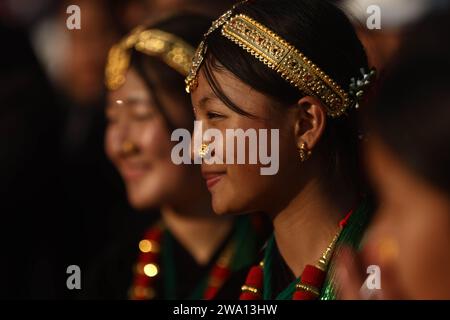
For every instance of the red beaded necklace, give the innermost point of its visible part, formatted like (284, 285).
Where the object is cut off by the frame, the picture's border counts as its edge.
(310, 283)
(147, 268)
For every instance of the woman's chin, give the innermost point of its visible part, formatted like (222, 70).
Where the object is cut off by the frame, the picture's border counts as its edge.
(140, 203)
(222, 206)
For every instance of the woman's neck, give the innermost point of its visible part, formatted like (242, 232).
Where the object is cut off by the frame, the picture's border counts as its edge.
(307, 225)
(200, 234)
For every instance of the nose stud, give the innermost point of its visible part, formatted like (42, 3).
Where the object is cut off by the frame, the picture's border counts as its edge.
(203, 150)
(128, 147)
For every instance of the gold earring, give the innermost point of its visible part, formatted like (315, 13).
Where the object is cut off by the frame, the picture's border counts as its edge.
(128, 147)
(203, 150)
(304, 153)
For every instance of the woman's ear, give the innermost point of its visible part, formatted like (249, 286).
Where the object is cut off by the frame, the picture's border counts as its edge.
(310, 121)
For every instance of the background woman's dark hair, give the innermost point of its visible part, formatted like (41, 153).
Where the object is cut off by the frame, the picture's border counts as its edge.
(157, 75)
(412, 111)
(324, 34)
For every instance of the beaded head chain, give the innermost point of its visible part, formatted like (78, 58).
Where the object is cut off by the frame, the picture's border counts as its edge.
(285, 59)
(172, 50)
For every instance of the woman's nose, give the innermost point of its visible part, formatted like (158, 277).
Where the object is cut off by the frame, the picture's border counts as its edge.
(128, 148)
(125, 145)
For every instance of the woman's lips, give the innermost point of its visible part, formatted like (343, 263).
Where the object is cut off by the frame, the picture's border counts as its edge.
(133, 172)
(212, 179)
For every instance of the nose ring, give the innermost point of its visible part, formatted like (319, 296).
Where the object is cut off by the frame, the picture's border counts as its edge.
(203, 150)
(128, 147)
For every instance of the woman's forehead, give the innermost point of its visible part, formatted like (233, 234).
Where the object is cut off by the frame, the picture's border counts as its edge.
(240, 93)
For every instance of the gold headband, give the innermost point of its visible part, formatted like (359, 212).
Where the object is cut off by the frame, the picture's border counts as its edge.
(278, 55)
(191, 79)
(175, 52)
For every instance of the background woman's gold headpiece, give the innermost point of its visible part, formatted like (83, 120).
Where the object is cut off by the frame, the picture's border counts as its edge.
(280, 56)
(175, 52)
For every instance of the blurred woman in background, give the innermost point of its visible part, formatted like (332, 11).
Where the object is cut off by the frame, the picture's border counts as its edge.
(189, 252)
(408, 157)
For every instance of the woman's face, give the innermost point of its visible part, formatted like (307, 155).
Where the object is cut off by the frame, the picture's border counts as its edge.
(410, 236)
(138, 143)
(238, 188)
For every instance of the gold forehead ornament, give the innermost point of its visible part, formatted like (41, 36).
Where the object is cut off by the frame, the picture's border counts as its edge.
(172, 50)
(283, 58)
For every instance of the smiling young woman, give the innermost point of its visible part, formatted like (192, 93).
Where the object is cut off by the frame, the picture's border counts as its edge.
(294, 66)
(189, 253)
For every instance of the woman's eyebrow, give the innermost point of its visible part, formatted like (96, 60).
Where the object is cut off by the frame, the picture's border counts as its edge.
(135, 100)
(205, 100)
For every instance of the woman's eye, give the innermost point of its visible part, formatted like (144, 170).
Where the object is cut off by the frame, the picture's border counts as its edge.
(143, 116)
(142, 112)
(213, 115)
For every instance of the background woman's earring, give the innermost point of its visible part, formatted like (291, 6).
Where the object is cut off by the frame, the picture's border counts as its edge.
(203, 150)
(304, 153)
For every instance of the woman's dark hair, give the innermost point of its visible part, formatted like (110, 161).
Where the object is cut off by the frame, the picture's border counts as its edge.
(322, 32)
(157, 75)
(411, 113)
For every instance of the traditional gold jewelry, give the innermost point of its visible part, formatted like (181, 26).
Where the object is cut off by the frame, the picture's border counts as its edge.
(203, 150)
(128, 147)
(146, 245)
(175, 52)
(324, 260)
(278, 55)
(141, 292)
(308, 288)
(249, 289)
(199, 56)
(304, 153)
